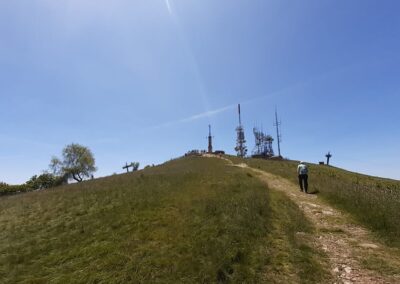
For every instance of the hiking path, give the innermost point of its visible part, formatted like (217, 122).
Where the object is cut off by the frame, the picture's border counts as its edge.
(346, 244)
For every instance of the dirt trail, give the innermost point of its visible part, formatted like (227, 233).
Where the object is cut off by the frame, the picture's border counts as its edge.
(346, 244)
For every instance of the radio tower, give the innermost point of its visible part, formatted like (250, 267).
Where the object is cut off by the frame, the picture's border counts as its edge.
(210, 148)
(240, 148)
(263, 148)
(278, 132)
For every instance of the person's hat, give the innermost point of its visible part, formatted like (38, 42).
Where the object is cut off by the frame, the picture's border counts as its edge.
(301, 162)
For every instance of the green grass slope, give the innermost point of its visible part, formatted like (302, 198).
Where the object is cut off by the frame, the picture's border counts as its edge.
(373, 201)
(192, 220)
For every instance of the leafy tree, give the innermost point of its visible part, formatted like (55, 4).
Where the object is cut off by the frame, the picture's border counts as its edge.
(77, 162)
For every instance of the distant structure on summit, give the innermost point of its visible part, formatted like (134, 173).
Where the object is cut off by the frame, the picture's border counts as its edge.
(126, 167)
(196, 152)
(210, 147)
(328, 156)
(263, 147)
(240, 148)
(133, 165)
(277, 124)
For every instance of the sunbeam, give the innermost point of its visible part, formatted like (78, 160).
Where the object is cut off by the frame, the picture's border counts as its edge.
(168, 6)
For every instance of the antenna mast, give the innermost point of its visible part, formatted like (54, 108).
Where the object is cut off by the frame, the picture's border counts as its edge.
(240, 148)
(263, 148)
(278, 134)
(210, 148)
(240, 117)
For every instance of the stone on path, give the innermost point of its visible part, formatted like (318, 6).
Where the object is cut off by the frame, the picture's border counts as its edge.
(371, 246)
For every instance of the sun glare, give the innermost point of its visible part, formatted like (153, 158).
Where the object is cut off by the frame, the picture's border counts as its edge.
(168, 6)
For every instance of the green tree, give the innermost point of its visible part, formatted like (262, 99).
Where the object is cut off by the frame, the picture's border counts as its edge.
(45, 180)
(135, 166)
(77, 163)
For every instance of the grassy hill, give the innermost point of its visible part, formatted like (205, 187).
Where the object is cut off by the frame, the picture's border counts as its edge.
(372, 201)
(192, 220)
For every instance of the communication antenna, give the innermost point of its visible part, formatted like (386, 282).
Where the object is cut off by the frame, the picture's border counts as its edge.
(240, 148)
(263, 147)
(210, 148)
(277, 124)
(240, 116)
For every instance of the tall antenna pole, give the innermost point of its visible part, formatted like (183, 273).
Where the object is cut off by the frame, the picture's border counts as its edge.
(278, 134)
(209, 140)
(240, 148)
(240, 118)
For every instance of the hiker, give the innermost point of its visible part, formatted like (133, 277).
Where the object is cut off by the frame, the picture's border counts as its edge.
(302, 171)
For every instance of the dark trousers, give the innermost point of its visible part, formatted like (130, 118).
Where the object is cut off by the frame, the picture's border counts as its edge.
(303, 182)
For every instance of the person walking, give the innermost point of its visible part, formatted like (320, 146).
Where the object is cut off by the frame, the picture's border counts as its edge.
(302, 171)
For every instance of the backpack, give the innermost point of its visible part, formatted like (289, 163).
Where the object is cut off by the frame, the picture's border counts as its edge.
(303, 170)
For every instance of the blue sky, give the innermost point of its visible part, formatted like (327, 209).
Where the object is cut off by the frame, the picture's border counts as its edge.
(141, 80)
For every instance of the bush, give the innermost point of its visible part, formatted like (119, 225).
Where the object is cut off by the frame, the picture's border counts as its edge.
(10, 189)
(44, 181)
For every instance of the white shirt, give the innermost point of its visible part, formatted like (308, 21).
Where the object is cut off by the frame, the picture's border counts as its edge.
(302, 169)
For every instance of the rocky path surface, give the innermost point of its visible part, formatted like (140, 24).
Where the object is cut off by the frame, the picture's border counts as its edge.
(354, 255)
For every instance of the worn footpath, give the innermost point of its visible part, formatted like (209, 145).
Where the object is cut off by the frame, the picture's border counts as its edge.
(347, 245)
